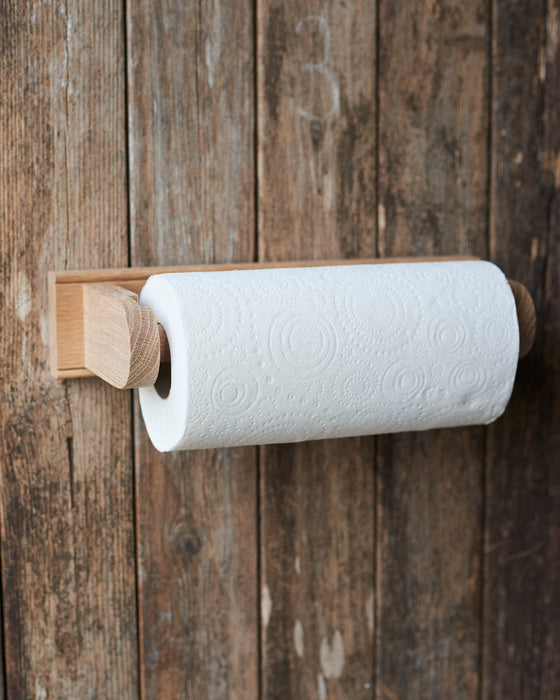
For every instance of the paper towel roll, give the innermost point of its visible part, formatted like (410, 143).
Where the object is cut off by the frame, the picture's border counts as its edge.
(284, 355)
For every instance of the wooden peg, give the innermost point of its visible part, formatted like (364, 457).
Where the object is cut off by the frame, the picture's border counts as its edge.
(526, 316)
(121, 339)
(164, 351)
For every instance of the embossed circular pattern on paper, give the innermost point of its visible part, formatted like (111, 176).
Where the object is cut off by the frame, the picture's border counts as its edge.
(373, 309)
(235, 390)
(427, 275)
(212, 314)
(215, 315)
(468, 378)
(303, 343)
(403, 381)
(496, 333)
(447, 334)
(358, 385)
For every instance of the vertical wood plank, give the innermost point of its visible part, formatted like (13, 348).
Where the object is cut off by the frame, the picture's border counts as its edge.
(316, 199)
(191, 144)
(522, 545)
(432, 200)
(68, 577)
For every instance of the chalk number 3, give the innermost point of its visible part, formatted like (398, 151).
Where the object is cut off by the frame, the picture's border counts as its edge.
(322, 69)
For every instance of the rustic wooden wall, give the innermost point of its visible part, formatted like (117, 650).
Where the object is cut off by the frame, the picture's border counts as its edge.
(421, 565)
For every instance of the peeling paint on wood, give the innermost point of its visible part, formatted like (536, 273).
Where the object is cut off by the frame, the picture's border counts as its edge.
(332, 656)
(298, 638)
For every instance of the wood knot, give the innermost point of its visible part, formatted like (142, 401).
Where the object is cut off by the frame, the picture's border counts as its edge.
(185, 542)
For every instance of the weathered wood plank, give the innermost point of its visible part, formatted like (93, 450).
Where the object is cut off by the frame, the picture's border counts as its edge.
(317, 569)
(191, 125)
(69, 598)
(522, 545)
(432, 199)
(316, 75)
(316, 199)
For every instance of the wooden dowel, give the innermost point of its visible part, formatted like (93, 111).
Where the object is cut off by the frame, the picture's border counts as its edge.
(526, 316)
(164, 351)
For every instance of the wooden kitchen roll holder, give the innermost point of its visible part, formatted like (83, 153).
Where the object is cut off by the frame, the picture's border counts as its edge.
(97, 327)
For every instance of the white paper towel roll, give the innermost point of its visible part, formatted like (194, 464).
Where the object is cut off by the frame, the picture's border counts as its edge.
(284, 355)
